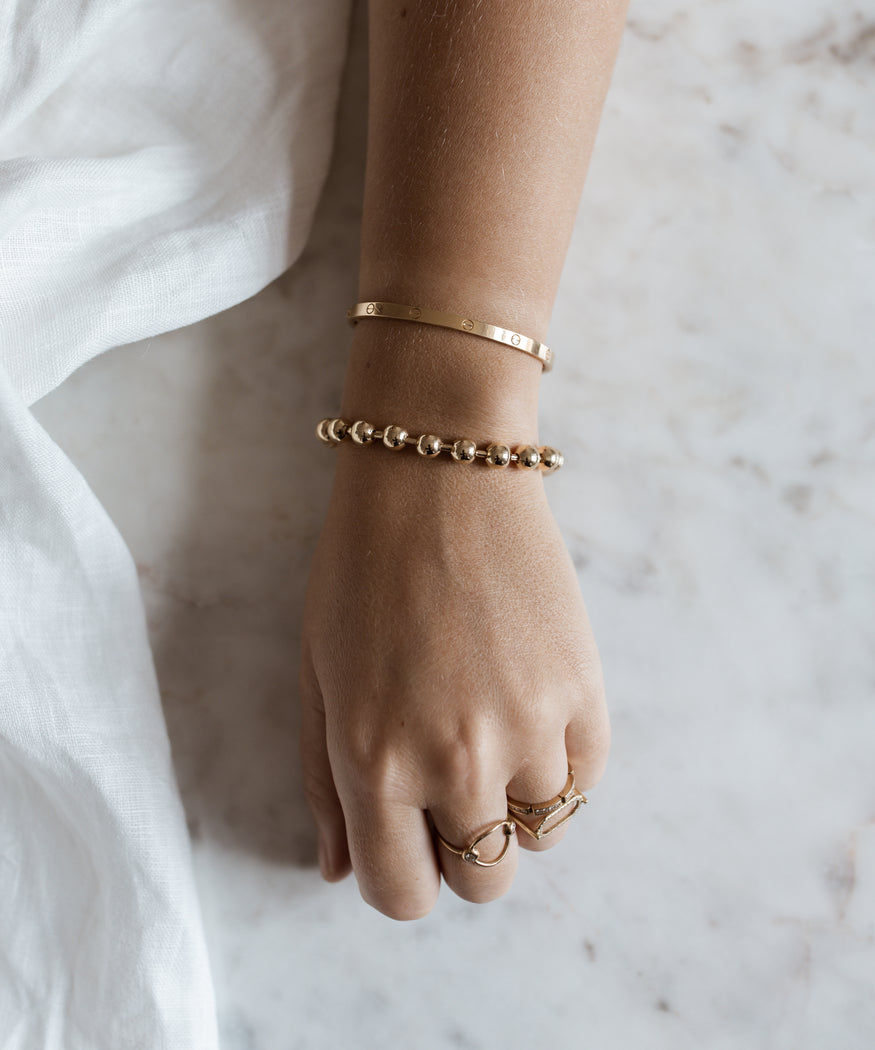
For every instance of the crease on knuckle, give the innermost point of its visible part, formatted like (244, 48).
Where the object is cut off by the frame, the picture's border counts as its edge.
(464, 759)
(372, 765)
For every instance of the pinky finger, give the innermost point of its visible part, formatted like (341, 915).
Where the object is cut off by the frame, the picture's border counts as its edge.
(588, 743)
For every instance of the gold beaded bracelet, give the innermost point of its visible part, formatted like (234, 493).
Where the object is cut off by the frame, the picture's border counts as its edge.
(463, 450)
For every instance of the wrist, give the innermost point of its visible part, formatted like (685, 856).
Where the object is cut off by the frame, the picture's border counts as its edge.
(450, 383)
(392, 481)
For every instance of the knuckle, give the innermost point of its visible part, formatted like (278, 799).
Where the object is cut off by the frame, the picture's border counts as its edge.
(464, 759)
(368, 759)
(372, 773)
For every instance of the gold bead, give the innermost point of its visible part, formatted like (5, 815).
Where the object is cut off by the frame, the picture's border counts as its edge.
(528, 457)
(322, 431)
(337, 430)
(551, 459)
(464, 451)
(428, 445)
(497, 456)
(394, 437)
(362, 432)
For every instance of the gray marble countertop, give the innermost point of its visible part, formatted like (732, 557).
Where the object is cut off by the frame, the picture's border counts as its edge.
(715, 397)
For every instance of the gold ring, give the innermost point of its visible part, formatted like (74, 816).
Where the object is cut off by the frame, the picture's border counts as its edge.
(570, 798)
(471, 854)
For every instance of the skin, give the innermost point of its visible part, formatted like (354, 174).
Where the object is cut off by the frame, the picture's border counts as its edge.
(447, 655)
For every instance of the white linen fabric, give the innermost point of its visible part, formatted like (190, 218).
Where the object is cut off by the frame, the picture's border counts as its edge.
(159, 162)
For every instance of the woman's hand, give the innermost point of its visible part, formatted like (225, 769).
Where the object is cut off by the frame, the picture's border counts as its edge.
(447, 662)
(447, 654)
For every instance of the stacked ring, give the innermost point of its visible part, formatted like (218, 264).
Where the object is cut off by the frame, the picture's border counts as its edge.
(570, 798)
(567, 801)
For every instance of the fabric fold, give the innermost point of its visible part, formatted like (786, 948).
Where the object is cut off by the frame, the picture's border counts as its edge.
(100, 934)
(158, 163)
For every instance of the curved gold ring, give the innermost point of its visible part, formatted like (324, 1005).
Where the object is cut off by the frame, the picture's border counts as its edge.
(471, 854)
(570, 798)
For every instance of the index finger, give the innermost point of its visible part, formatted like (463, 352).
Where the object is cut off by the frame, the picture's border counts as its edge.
(392, 854)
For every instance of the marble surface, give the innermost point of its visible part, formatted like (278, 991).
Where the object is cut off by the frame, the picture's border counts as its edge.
(715, 395)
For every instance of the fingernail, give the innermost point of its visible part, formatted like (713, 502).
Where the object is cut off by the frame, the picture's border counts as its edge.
(324, 859)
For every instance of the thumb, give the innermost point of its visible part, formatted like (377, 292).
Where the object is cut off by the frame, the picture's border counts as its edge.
(319, 787)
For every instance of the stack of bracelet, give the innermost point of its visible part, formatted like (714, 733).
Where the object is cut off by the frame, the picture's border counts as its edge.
(462, 450)
(429, 446)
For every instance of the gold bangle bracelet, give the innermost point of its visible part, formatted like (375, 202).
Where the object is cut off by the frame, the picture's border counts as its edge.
(429, 446)
(398, 312)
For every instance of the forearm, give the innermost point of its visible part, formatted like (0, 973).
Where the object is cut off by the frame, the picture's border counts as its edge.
(448, 661)
(482, 120)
